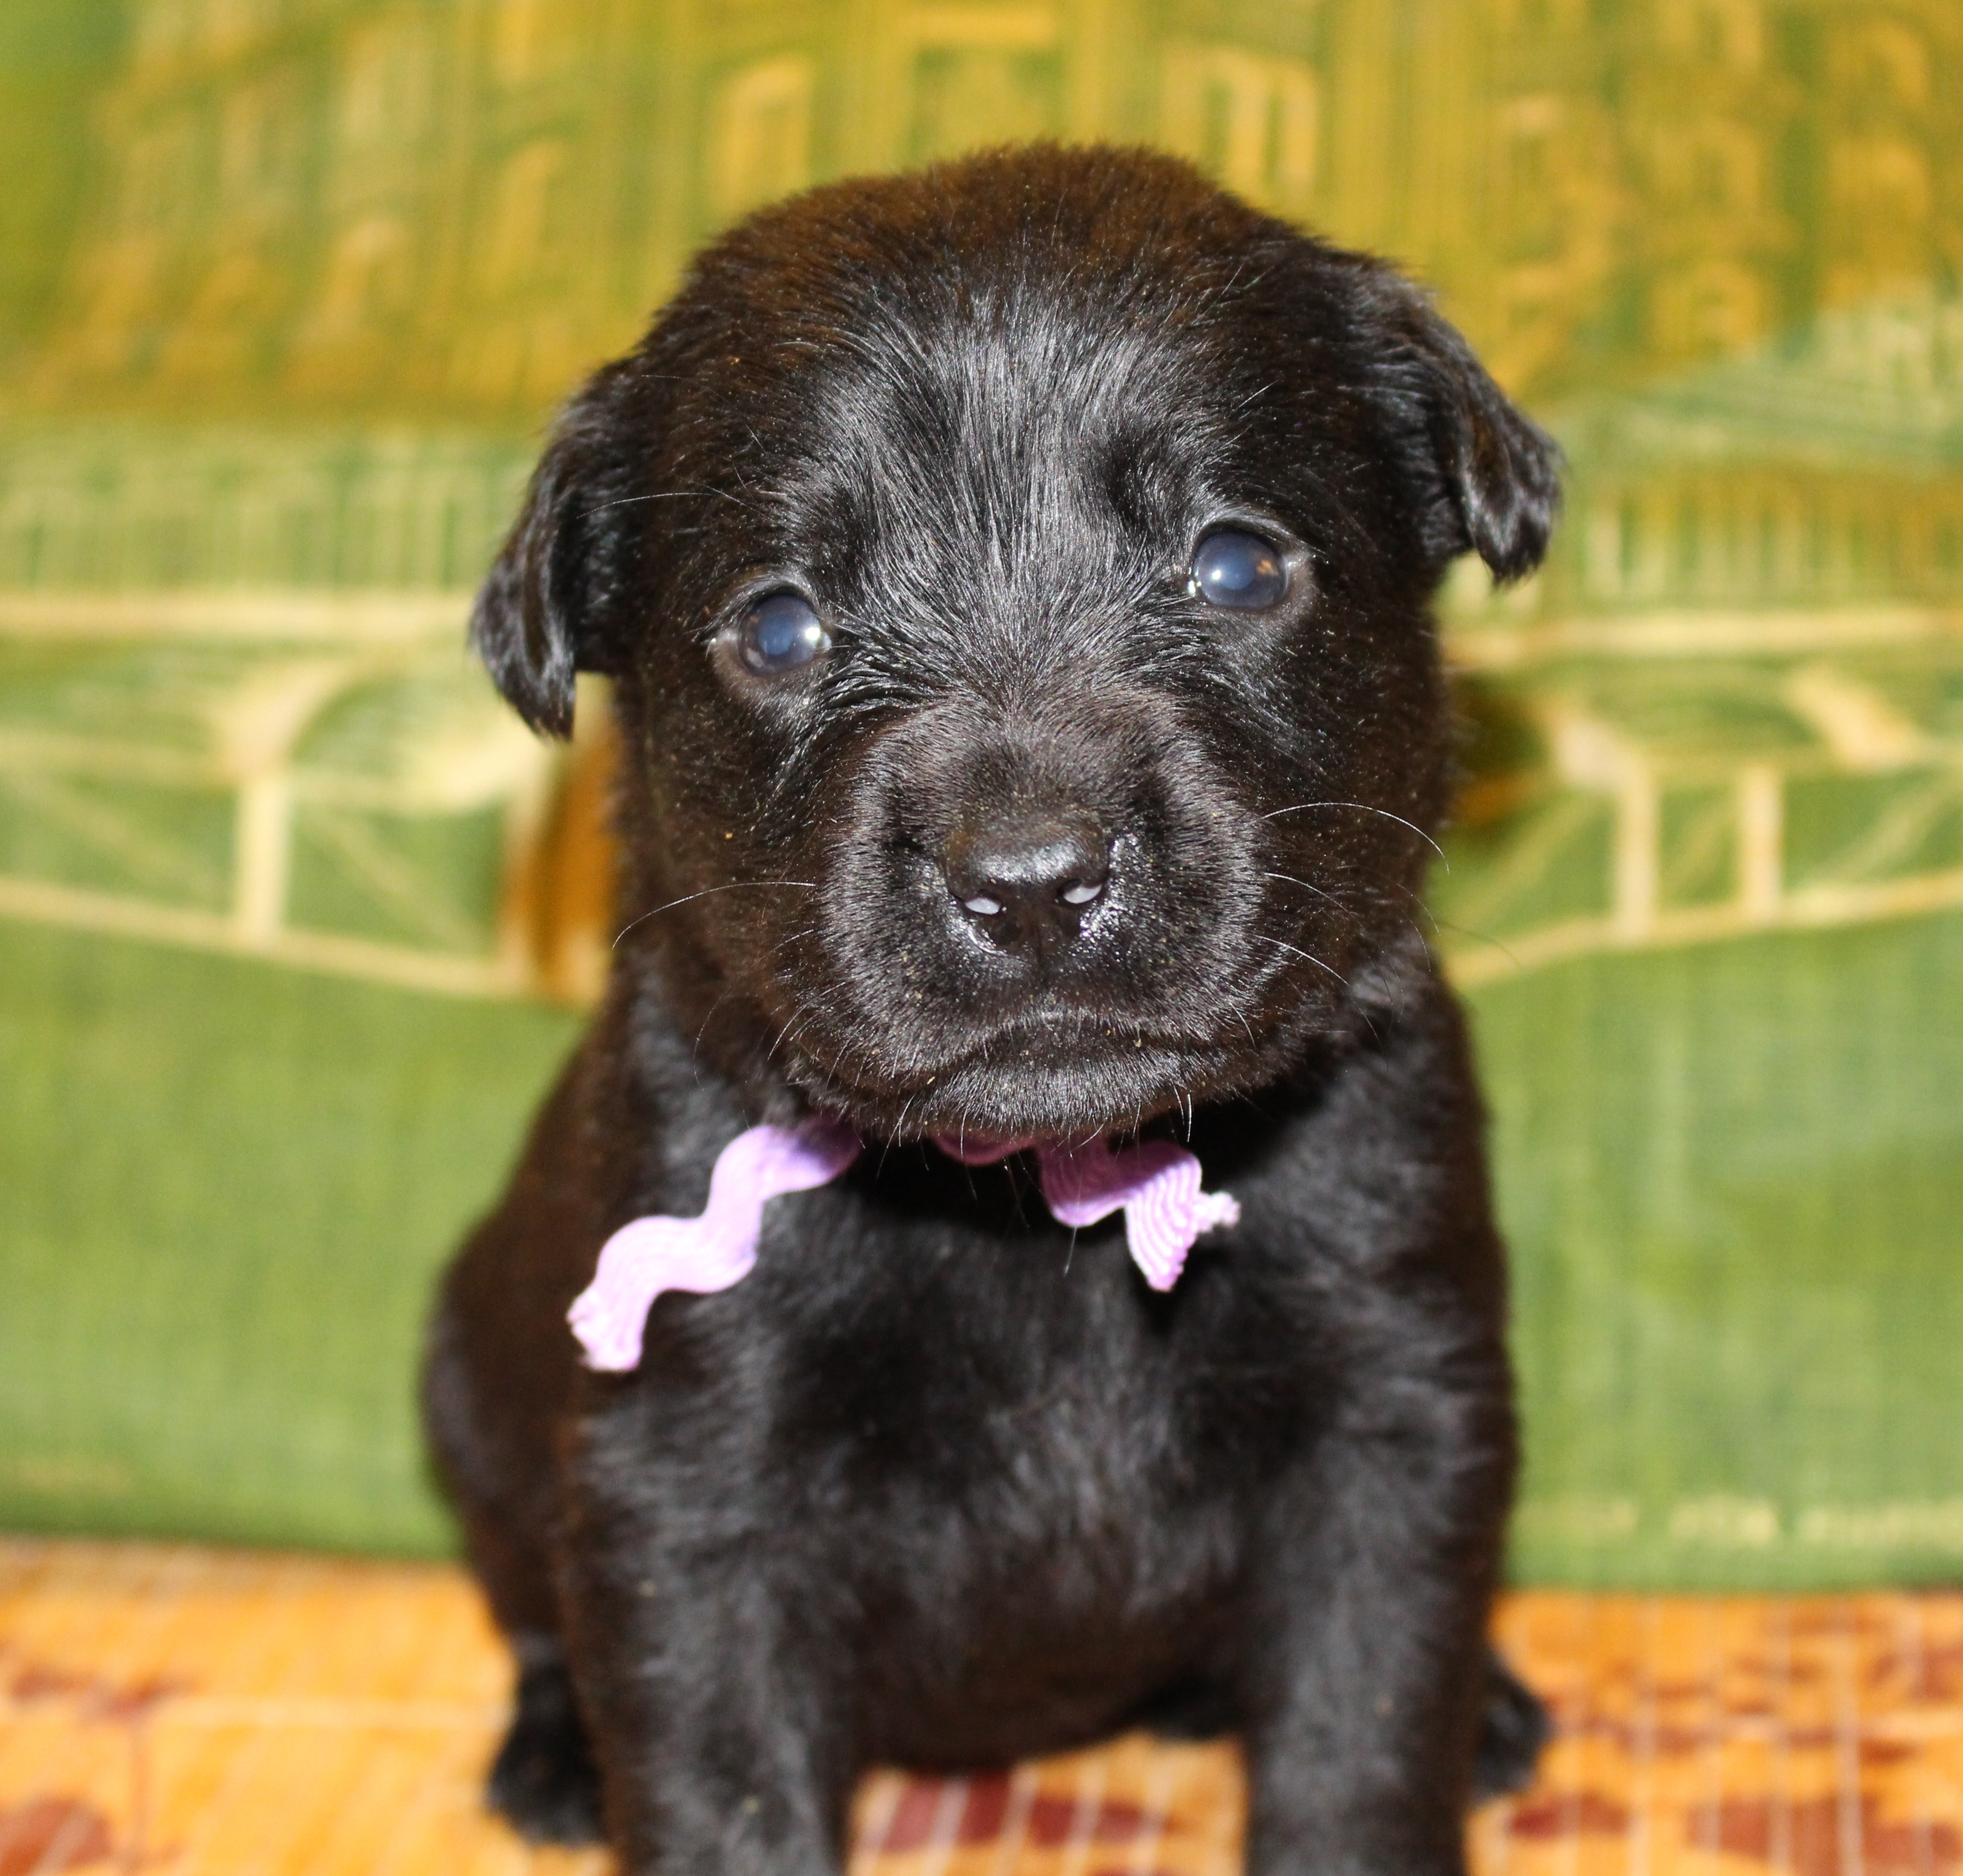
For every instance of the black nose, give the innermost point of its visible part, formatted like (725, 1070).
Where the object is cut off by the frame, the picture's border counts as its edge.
(1028, 881)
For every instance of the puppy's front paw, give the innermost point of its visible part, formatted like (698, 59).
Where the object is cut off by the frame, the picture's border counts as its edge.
(544, 1779)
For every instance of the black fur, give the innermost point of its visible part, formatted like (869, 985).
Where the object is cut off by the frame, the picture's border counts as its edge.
(939, 1483)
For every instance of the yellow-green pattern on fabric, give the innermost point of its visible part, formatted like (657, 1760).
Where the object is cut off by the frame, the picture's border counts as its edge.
(454, 205)
(229, 1187)
(287, 288)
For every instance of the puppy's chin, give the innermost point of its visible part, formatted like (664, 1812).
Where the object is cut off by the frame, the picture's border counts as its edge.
(1046, 1091)
(1063, 1073)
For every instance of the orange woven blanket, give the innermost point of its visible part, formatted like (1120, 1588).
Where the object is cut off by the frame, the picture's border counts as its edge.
(211, 1713)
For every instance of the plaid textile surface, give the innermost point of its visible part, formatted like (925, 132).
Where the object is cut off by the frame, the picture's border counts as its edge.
(232, 1714)
(295, 919)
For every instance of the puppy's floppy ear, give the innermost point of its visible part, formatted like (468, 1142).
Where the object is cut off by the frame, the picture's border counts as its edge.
(1489, 478)
(543, 611)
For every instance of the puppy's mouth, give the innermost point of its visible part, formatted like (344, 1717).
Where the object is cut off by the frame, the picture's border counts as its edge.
(1050, 1076)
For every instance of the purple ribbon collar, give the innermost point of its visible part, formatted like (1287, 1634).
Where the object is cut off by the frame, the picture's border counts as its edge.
(1156, 1184)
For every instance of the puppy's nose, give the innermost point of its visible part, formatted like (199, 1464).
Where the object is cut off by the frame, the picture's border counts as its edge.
(1027, 880)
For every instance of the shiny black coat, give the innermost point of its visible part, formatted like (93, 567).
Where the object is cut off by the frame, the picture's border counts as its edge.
(939, 1483)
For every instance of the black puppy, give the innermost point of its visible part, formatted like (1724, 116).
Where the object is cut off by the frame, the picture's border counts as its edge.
(1014, 581)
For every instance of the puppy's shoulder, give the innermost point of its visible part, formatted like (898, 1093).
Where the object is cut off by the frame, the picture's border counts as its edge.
(1374, 1150)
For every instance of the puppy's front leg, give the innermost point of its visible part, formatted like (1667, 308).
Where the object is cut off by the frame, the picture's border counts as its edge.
(719, 1706)
(1367, 1672)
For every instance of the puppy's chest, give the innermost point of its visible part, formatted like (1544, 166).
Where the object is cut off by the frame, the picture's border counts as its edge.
(1029, 1422)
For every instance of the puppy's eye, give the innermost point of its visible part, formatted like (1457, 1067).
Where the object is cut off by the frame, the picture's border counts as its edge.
(779, 632)
(1240, 571)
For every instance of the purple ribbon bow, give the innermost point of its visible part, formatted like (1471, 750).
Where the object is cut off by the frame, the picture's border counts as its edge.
(653, 1254)
(1156, 1183)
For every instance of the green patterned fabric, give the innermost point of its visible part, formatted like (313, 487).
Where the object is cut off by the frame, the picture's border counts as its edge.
(294, 917)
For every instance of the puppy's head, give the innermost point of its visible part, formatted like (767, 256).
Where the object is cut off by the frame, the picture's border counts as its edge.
(1015, 580)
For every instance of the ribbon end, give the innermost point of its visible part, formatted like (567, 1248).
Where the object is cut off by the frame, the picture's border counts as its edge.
(603, 1348)
(1222, 1210)
(599, 1362)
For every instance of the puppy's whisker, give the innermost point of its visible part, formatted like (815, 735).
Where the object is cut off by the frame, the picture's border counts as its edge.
(792, 937)
(899, 1127)
(1292, 880)
(1363, 807)
(1383, 881)
(808, 886)
(1308, 957)
(796, 1020)
(670, 494)
(1241, 1017)
(1441, 925)
(695, 1053)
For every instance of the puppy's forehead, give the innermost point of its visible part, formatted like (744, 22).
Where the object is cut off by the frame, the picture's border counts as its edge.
(1003, 398)
(1022, 364)
(1023, 377)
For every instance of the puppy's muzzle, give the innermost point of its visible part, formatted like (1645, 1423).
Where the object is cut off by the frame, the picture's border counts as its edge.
(1028, 919)
(1026, 880)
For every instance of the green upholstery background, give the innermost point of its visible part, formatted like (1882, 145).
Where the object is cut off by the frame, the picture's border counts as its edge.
(295, 918)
